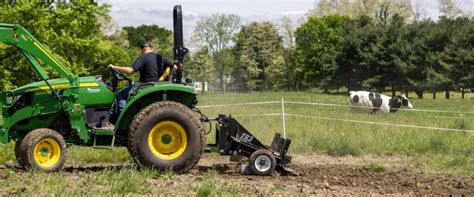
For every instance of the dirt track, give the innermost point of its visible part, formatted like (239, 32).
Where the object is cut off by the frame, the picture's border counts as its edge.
(319, 175)
(346, 175)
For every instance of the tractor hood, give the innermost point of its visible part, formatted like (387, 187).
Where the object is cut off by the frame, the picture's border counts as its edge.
(60, 83)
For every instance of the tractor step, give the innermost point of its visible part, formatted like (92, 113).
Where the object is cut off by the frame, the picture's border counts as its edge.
(104, 137)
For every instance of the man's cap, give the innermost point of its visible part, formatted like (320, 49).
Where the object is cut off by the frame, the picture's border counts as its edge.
(145, 44)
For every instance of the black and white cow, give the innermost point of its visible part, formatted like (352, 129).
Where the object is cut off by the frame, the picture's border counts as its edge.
(374, 102)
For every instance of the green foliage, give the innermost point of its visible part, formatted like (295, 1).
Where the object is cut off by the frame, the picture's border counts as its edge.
(210, 187)
(342, 148)
(261, 58)
(7, 152)
(160, 38)
(224, 64)
(386, 51)
(202, 67)
(216, 33)
(318, 41)
(71, 31)
(82, 155)
(375, 167)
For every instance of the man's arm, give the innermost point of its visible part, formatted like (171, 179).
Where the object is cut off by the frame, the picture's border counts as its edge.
(169, 69)
(123, 70)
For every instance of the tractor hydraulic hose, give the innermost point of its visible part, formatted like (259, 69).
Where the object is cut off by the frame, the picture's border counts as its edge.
(204, 118)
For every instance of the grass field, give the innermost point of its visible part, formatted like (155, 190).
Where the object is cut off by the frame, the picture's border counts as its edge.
(431, 151)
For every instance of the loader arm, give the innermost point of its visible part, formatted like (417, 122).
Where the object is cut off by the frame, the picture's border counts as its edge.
(32, 49)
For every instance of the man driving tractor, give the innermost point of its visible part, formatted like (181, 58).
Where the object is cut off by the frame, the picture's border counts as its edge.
(152, 67)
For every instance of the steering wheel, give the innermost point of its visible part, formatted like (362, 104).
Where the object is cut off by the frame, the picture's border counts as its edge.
(116, 77)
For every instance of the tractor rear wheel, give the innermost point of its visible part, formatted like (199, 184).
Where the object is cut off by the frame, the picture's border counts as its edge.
(43, 150)
(166, 136)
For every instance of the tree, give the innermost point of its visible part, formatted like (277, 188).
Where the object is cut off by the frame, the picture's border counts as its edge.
(357, 8)
(216, 33)
(224, 63)
(331, 7)
(417, 11)
(458, 54)
(293, 71)
(261, 54)
(202, 67)
(159, 37)
(318, 42)
(448, 8)
(71, 31)
(352, 69)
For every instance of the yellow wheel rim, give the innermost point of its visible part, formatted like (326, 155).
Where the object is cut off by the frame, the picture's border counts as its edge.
(167, 140)
(47, 152)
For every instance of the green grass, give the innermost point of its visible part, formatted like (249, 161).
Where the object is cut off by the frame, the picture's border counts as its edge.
(340, 138)
(209, 186)
(375, 167)
(107, 181)
(429, 150)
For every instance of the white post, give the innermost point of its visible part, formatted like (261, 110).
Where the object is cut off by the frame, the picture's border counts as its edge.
(283, 117)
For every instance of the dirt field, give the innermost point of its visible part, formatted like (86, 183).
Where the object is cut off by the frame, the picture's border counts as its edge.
(344, 175)
(320, 175)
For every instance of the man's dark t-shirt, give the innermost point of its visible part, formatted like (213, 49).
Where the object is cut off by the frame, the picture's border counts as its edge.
(151, 66)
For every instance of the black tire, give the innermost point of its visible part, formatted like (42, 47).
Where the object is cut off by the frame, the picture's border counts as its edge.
(190, 137)
(19, 154)
(262, 162)
(51, 147)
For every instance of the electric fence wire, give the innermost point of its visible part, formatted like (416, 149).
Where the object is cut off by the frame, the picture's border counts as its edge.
(330, 105)
(345, 120)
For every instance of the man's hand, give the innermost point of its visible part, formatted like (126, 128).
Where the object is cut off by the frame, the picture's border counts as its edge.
(111, 66)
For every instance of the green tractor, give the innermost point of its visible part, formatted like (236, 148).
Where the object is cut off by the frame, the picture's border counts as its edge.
(157, 125)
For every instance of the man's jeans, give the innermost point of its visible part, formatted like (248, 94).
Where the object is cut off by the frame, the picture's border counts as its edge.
(122, 96)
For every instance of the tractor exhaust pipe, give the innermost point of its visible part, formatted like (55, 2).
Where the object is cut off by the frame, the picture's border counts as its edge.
(179, 51)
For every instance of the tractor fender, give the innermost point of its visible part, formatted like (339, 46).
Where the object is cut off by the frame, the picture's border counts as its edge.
(145, 96)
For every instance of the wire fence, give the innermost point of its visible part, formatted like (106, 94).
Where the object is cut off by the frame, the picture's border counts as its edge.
(283, 114)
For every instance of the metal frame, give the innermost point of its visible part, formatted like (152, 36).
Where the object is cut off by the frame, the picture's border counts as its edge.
(232, 138)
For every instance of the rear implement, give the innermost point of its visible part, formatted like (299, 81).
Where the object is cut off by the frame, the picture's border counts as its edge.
(233, 139)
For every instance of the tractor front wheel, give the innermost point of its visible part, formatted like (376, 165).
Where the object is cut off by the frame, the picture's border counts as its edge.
(18, 153)
(166, 136)
(43, 150)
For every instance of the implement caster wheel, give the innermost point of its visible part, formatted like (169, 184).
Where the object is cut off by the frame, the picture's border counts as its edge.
(42, 150)
(262, 162)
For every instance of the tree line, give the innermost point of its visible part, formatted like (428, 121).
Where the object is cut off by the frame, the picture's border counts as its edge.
(358, 45)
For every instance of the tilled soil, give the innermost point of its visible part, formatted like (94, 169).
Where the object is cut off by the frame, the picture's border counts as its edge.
(319, 175)
(347, 175)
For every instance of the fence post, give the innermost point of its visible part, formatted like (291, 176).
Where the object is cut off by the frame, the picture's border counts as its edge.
(283, 117)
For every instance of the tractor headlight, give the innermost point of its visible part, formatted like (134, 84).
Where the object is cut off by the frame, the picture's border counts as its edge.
(9, 98)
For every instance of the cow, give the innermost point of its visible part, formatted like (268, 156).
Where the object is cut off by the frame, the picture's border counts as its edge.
(374, 102)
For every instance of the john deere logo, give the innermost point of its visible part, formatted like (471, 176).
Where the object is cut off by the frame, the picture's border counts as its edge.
(15, 35)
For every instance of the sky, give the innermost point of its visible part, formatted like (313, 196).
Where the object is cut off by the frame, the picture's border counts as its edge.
(159, 12)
